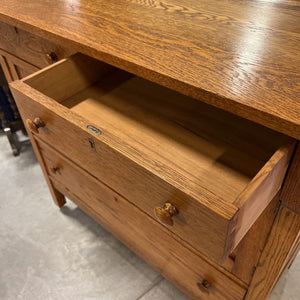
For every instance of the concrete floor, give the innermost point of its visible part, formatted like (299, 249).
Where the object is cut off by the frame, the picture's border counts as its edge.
(47, 253)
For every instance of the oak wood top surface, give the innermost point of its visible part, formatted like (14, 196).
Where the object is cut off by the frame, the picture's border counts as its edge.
(242, 56)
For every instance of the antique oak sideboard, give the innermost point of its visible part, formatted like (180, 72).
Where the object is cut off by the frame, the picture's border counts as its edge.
(174, 124)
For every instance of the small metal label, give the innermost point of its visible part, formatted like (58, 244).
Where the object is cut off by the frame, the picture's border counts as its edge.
(94, 129)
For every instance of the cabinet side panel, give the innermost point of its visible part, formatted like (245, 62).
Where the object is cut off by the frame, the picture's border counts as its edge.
(290, 196)
(275, 257)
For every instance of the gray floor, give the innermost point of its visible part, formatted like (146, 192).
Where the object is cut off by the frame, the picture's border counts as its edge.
(47, 253)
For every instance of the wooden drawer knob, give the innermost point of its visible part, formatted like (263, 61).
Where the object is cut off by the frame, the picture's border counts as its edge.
(35, 124)
(204, 285)
(55, 170)
(51, 58)
(164, 214)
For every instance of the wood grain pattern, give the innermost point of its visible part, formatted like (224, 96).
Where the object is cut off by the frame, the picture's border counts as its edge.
(245, 257)
(161, 158)
(291, 190)
(29, 47)
(241, 56)
(68, 76)
(284, 235)
(262, 189)
(293, 253)
(158, 247)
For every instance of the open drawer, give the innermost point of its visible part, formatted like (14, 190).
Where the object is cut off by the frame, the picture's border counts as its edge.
(205, 174)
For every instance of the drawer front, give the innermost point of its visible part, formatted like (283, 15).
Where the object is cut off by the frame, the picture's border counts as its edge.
(204, 219)
(15, 68)
(146, 237)
(29, 47)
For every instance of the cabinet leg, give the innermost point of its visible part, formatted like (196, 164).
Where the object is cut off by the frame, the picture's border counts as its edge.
(13, 141)
(58, 198)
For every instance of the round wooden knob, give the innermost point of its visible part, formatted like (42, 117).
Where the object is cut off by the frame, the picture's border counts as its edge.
(164, 214)
(51, 57)
(55, 170)
(35, 124)
(204, 285)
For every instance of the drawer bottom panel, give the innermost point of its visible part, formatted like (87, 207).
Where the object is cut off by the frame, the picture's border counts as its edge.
(146, 237)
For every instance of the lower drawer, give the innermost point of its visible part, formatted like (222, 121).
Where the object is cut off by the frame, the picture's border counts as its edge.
(149, 239)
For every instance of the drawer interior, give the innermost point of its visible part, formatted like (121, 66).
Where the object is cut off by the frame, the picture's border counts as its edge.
(182, 140)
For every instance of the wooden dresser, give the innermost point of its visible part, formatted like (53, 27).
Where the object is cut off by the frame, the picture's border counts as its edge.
(174, 125)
